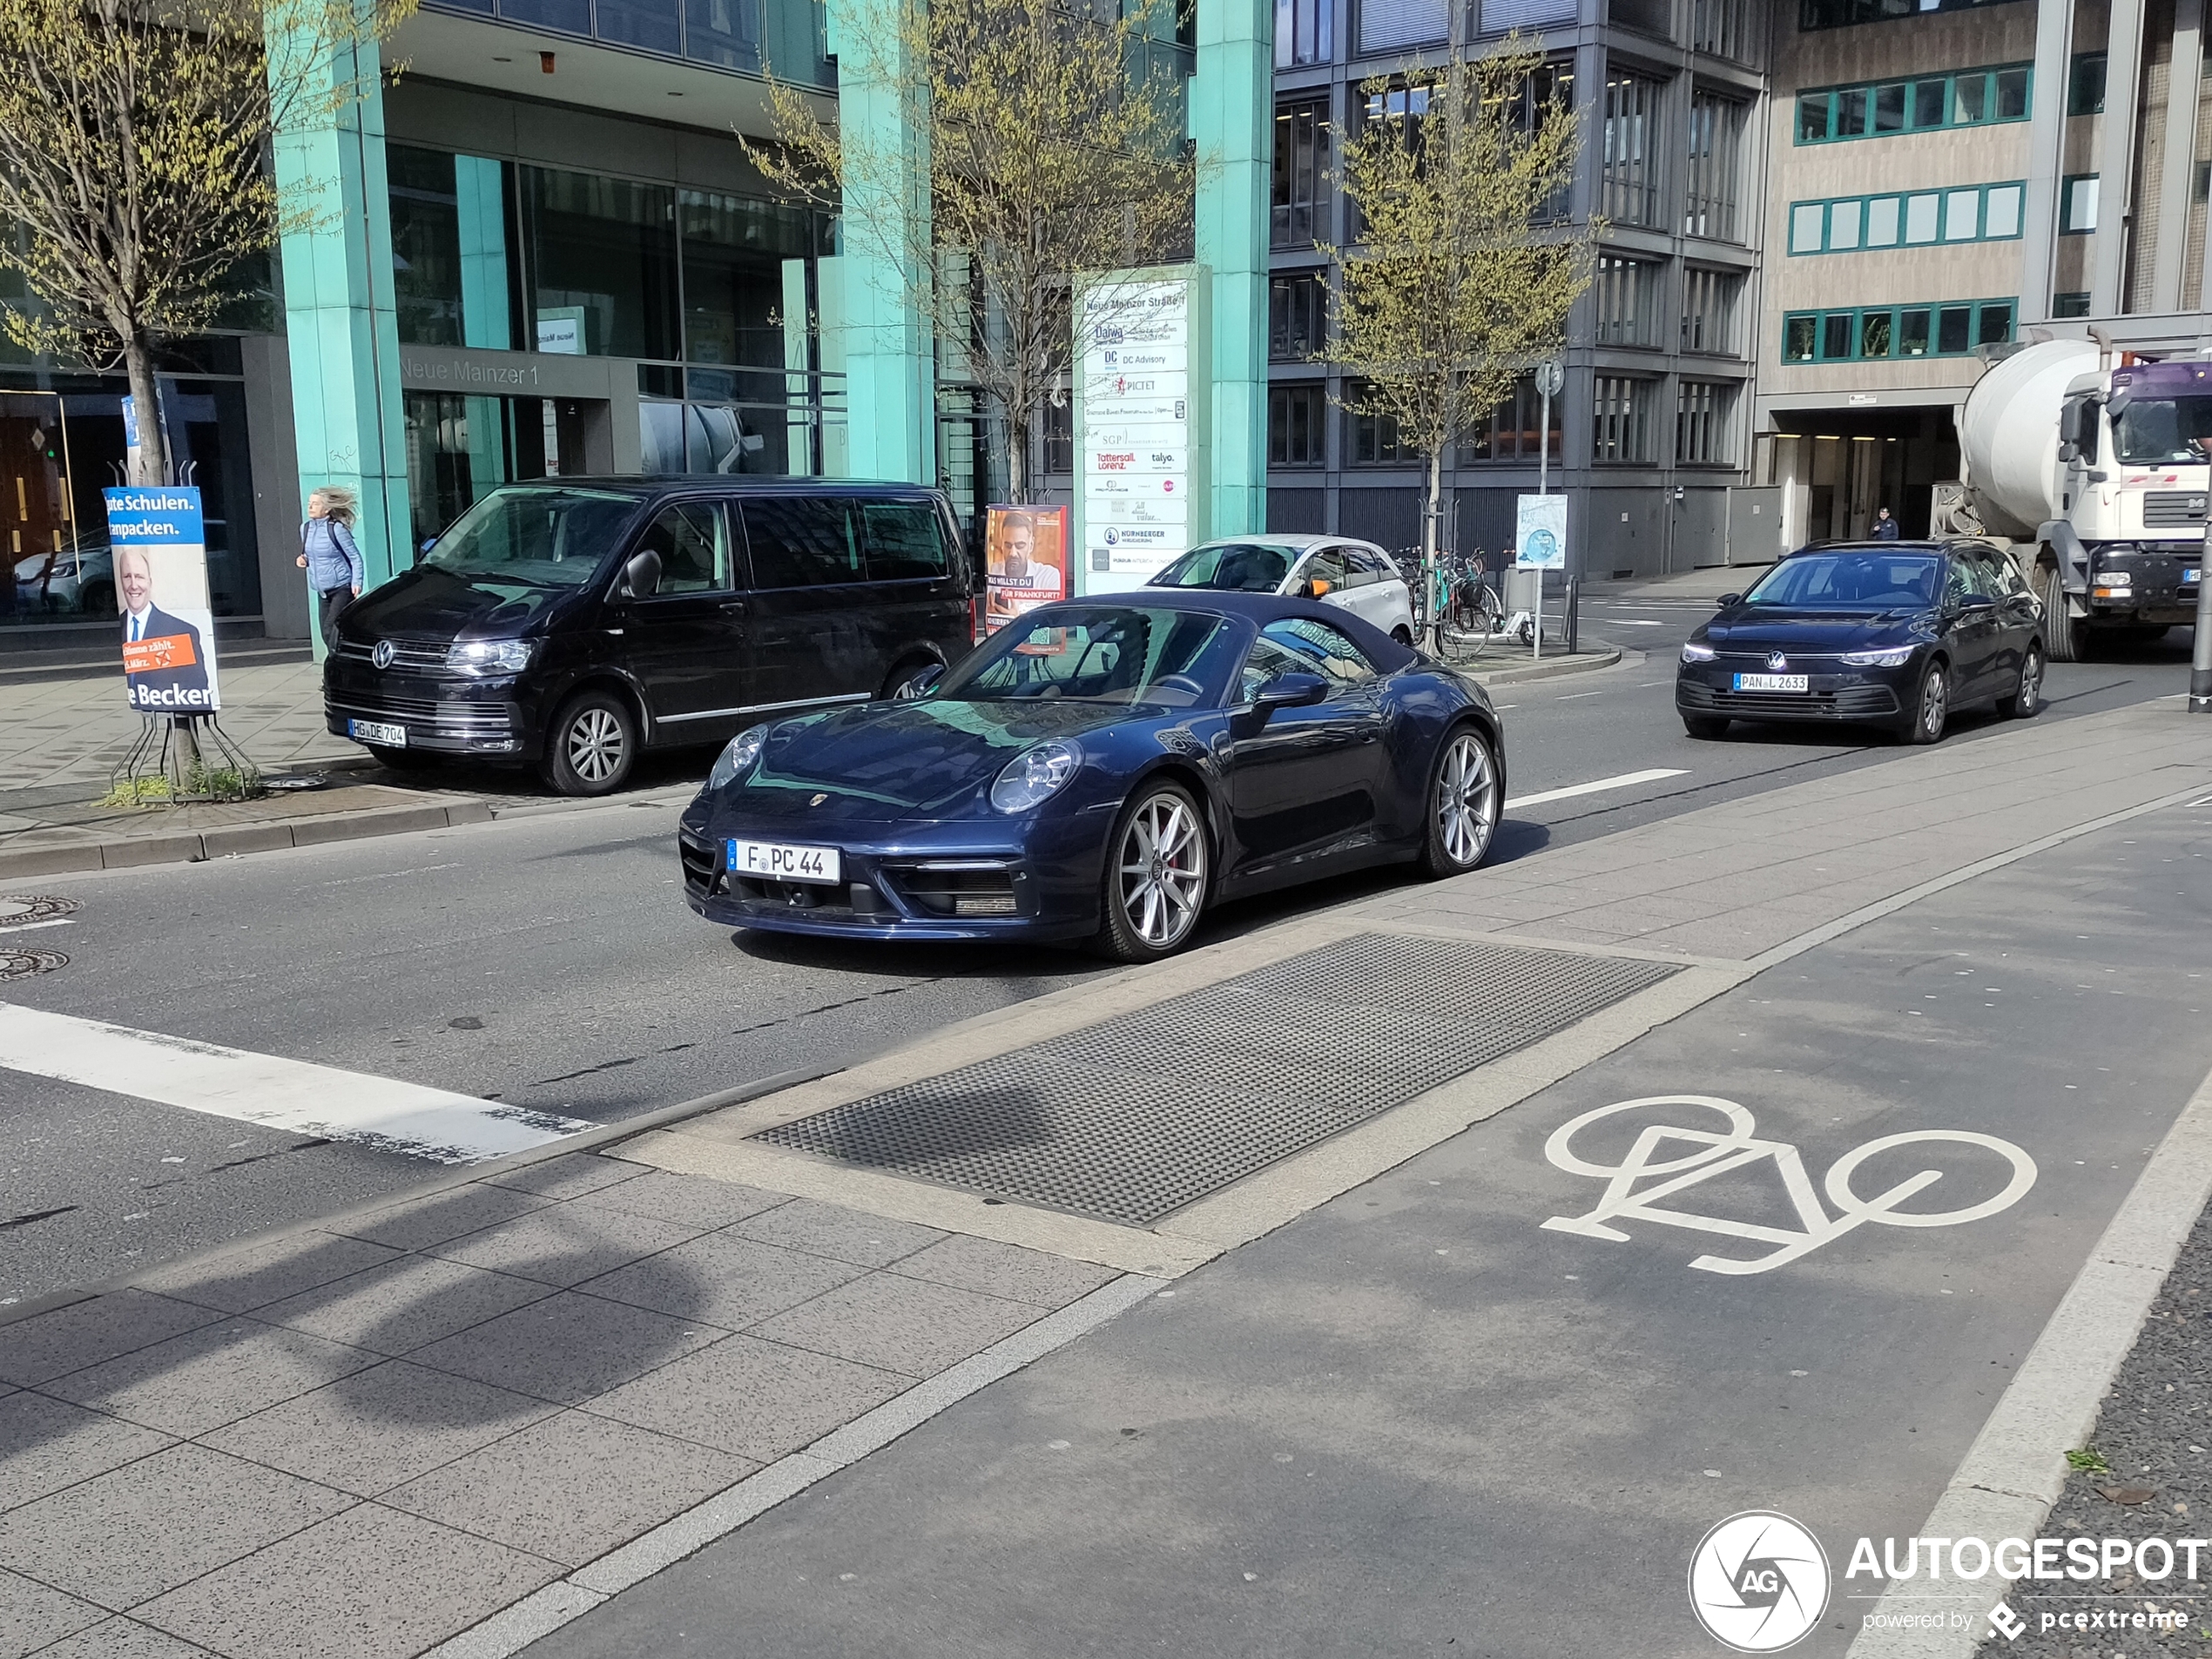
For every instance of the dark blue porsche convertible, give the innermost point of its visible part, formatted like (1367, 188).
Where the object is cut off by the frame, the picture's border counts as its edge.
(1102, 769)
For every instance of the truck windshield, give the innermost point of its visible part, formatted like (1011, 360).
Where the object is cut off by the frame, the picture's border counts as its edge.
(549, 538)
(2164, 431)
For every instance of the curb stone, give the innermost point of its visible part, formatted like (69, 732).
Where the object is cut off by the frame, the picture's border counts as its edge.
(191, 846)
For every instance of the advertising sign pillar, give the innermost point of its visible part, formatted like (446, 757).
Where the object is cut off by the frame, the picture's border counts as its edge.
(1232, 126)
(161, 589)
(1540, 544)
(1141, 461)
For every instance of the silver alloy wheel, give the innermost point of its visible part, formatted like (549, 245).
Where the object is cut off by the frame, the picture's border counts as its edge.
(595, 744)
(1163, 871)
(1467, 807)
(2031, 681)
(1935, 704)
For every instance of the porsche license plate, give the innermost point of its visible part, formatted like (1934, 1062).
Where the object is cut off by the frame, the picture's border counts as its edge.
(376, 731)
(1772, 682)
(786, 861)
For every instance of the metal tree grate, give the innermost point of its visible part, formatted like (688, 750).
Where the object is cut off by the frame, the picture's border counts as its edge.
(1132, 1118)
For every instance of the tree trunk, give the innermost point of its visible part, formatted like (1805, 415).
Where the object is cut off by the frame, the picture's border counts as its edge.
(1432, 511)
(153, 465)
(1017, 458)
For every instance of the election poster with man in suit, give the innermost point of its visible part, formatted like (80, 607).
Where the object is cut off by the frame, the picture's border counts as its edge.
(160, 546)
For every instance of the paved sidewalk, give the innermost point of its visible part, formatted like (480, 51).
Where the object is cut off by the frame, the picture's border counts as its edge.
(370, 1436)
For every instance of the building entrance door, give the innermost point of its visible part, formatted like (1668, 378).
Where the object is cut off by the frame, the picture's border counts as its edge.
(460, 448)
(49, 574)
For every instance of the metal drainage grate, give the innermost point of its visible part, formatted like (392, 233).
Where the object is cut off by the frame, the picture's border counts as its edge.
(22, 964)
(1136, 1117)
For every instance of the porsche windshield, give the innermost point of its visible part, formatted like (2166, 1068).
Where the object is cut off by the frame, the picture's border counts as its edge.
(1102, 654)
(547, 538)
(1850, 581)
(2163, 431)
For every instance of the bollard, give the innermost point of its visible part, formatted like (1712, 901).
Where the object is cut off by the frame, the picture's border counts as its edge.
(2201, 658)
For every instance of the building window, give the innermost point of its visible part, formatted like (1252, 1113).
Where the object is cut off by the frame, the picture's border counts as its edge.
(1652, 16)
(426, 247)
(1625, 308)
(1393, 26)
(1296, 316)
(602, 263)
(1306, 32)
(1627, 166)
(1715, 144)
(1722, 27)
(1709, 310)
(1705, 419)
(1301, 174)
(1881, 109)
(2077, 205)
(1512, 432)
(1880, 332)
(1838, 14)
(1972, 213)
(1620, 419)
(2075, 304)
(1059, 430)
(1372, 440)
(1553, 85)
(2085, 88)
(1296, 416)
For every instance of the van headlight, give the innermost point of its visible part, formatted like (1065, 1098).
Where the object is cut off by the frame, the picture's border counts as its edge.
(489, 655)
(1035, 775)
(738, 756)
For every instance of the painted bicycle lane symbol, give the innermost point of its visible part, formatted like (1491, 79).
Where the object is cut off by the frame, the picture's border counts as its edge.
(1658, 1157)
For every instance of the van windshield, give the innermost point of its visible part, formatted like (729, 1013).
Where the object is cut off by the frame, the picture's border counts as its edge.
(547, 537)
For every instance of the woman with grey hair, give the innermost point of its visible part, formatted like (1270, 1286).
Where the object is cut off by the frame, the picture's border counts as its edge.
(330, 558)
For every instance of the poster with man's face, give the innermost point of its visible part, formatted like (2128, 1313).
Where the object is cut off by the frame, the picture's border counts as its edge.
(1025, 558)
(160, 552)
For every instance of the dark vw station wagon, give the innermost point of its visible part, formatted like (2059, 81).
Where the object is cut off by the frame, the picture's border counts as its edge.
(569, 623)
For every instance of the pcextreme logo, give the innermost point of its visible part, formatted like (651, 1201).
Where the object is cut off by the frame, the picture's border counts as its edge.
(1758, 1582)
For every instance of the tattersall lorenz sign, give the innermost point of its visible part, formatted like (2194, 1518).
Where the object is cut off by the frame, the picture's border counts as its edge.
(161, 589)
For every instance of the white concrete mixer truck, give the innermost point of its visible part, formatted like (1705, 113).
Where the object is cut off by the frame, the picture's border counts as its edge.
(2099, 477)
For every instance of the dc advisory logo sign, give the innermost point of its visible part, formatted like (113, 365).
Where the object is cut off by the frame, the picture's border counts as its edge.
(1758, 1582)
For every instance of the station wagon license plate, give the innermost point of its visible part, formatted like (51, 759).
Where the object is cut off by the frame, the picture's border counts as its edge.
(1772, 682)
(377, 731)
(784, 862)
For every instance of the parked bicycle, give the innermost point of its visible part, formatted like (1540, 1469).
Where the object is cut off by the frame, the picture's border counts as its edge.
(1456, 608)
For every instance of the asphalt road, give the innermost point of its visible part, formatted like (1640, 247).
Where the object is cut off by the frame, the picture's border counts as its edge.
(1418, 1420)
(550, 962)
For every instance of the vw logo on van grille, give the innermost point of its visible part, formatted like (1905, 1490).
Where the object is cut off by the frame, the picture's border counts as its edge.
(382, 655)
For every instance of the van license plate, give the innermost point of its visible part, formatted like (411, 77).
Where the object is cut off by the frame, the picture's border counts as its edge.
(1772, 682)
(2190, 577)
(376, 731)
(782, 862)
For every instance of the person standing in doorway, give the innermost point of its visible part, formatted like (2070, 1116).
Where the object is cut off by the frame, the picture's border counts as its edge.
(330, 558)
(1885, 526)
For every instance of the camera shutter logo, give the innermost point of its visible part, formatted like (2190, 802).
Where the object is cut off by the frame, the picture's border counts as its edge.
(1758, 1583)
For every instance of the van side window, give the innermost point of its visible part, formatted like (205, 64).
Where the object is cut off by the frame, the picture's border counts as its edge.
(905, 540)
(693, 547)
(798, 542)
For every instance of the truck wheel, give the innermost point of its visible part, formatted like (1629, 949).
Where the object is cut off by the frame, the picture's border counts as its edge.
(2064, 636)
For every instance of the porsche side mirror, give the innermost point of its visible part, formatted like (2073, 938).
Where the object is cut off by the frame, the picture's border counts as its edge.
(1728, 599)
(640, 577)
(920, 684)
(1292, 691)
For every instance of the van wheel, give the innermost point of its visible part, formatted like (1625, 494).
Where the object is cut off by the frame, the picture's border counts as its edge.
(906, 670)
(593, 745)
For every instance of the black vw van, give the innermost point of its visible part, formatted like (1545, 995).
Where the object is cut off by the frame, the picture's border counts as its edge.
(568, 622)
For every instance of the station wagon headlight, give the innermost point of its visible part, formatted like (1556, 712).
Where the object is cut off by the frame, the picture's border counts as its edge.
(1888, 657)
(738, 756)
(1035, 775)
(489, 655)
(1694, 652)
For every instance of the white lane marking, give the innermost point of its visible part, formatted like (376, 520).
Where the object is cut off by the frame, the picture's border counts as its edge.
(27, 926)
(1623, 781)
(1635, 622)
(1571, 696)
(290, 1095)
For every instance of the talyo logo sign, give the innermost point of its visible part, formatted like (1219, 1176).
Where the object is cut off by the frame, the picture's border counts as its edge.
(1758, 1583)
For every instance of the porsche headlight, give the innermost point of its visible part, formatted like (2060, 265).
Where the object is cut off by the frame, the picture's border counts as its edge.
(1035, 775)
(1887, 657)
(738, 756)
(1695, 653)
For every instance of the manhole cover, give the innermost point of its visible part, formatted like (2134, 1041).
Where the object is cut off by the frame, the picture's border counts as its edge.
(1135, 1116)
(15, 909)
(22, 964)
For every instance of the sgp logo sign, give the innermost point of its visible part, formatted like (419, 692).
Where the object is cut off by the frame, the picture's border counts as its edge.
(1758, 1582)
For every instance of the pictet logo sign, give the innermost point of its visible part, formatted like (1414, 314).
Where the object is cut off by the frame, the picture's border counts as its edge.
(1758, 1583)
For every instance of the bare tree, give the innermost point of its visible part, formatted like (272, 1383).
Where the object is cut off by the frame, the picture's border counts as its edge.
(133, 148)
(1464, 270)
(1055, 144)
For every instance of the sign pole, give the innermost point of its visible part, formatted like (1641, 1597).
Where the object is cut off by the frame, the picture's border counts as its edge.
(1551, 375)
(2201, 657)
